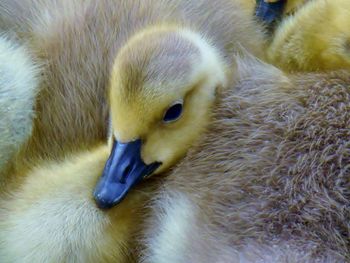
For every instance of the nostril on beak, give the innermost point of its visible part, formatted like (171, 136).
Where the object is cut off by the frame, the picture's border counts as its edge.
(125, 174)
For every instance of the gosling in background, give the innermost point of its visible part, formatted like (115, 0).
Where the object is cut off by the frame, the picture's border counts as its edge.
(18, 88)
(314, 36)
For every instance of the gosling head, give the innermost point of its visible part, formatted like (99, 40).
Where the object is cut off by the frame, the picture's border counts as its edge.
(162, 89)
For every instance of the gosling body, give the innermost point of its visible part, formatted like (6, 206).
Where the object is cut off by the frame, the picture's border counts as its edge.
(18, 88)
(313, 36)
(52, 217)
(268, 182)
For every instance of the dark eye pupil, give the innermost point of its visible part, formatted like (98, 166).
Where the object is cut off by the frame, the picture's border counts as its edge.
(173, 112)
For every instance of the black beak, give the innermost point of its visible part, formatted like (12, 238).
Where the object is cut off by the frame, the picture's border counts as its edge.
(123, 170)
(270, 13)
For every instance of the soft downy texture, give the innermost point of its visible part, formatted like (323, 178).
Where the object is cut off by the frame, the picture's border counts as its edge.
(77, 42)
(52, 217)
(260, 194)
(269, 182)
(266, 182)
(18, 88)
(313, 37)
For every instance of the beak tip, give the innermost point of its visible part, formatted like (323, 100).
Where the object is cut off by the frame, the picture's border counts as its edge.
(104, 199)
(103, 203)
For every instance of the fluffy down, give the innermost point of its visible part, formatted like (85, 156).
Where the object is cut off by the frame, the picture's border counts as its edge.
(18, 87)
(277, 189)
(273, 186)
(52, 216)
(315, 37)
(77, 42)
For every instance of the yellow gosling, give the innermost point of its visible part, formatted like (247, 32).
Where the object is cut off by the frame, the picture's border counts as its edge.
(52, 217)
(316, 37)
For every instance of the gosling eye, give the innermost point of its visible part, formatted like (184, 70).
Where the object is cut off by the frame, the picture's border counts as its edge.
(174, 112)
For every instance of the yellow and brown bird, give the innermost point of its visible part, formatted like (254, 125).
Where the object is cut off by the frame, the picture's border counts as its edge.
(157, 63)
(266, 182)
(312, 36)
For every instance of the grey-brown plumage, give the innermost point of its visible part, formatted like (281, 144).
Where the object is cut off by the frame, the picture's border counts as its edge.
(269, 182)
(18, 88)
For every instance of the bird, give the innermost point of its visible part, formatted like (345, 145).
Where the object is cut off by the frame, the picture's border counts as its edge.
(295, 42)
(99, 56)
(52, 217)
(298, 44)
(266, 181)
(86, 51)
(18, 89)
(196, 197)
(269, 180)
